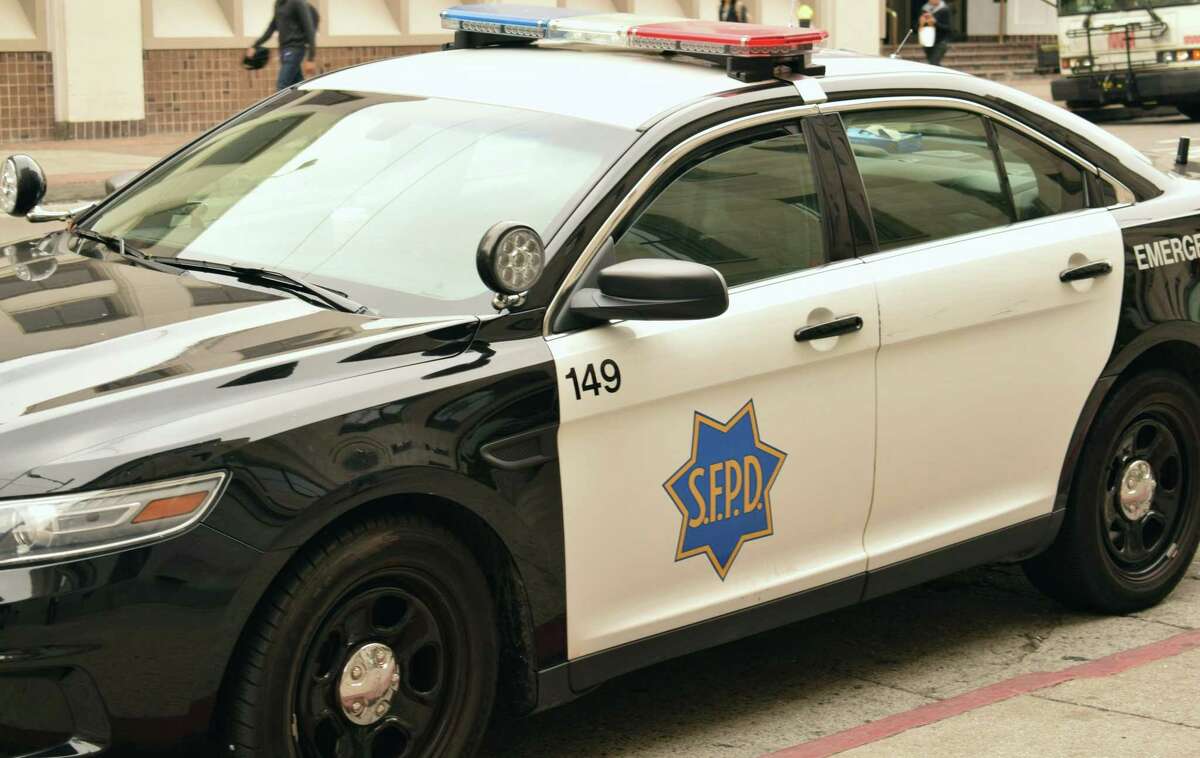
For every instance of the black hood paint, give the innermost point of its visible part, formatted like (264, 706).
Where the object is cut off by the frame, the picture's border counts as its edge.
(94, 348)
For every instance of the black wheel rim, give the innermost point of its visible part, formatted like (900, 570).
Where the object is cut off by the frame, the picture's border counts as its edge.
(414, 619)
(1139, 548)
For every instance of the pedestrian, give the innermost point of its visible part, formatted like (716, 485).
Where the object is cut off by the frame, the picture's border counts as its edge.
(296, 22)
(734, 10)
(935, 14)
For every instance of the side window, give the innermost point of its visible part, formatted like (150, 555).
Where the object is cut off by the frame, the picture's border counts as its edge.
(750, 211)
(1043, 183)
(929, 173)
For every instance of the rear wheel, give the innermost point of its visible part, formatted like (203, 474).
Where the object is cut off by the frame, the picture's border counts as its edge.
(380, 643)
(1133, 518)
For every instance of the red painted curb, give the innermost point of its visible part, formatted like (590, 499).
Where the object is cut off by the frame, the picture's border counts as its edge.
(994, 693)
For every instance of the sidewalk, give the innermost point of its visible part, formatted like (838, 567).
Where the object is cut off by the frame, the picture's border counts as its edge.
(78, 169)
(1139, 701)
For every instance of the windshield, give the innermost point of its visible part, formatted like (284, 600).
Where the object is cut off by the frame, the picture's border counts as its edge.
(1069, 7)
(385, 198)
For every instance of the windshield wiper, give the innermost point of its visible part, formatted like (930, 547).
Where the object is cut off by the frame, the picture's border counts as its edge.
(119, 246)
(262, 277)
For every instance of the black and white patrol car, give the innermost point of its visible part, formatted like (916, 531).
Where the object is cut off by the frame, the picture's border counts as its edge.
(475, 379)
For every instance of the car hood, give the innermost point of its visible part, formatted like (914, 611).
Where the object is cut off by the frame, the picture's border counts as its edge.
(92, 349)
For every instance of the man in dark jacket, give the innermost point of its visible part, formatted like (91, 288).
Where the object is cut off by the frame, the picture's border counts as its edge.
(936, 13)
(296, 21)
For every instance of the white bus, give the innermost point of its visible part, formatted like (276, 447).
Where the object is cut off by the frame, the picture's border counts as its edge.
(1138, 53)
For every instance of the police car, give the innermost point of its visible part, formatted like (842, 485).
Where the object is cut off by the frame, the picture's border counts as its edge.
(468, 381)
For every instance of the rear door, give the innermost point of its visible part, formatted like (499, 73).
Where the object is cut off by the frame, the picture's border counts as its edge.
(713, 465)
(986, 355)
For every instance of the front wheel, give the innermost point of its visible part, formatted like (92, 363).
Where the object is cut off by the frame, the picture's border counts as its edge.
(379, 643)
(1133, 516)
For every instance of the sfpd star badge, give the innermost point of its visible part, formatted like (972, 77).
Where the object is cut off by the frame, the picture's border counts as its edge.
(723, 492)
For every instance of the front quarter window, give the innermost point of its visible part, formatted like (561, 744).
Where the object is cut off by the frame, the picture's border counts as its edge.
(384, 197)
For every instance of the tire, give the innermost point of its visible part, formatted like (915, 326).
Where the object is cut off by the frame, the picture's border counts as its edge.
(1105, 558)
(1191, 110)
(399, 581)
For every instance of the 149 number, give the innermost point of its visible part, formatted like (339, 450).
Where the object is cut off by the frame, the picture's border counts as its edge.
(610, 373)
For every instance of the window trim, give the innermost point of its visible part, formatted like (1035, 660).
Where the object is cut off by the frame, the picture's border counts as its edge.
(968, 236)
(647, 182)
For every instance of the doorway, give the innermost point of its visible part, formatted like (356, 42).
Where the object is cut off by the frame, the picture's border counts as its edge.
(908, 14)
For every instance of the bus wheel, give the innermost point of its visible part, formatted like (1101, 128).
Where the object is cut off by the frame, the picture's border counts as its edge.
(1191, 110)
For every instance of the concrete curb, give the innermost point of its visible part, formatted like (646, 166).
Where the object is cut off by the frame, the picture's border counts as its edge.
(61, 192)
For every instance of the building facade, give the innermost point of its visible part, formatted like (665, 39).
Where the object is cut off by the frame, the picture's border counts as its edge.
(979, 19)
(114, 68)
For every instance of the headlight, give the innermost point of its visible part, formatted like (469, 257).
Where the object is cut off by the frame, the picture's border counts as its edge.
(62, 526)
(8, 186)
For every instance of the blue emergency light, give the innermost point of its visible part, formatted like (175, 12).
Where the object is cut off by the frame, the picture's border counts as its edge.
(528, 21)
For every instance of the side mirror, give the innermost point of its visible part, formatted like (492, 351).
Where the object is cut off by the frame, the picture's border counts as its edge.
(654, 289)
(22, 185)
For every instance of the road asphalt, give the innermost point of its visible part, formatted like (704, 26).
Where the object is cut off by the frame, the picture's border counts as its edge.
(976, 664)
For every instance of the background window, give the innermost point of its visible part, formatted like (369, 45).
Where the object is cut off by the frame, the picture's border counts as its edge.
(929, 173)
(1042, 183)
(751, 212)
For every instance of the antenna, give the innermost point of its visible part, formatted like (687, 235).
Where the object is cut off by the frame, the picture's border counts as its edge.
(903, 42)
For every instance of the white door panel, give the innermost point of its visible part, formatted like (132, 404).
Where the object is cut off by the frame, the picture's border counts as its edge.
(985, 362)
(812, 401)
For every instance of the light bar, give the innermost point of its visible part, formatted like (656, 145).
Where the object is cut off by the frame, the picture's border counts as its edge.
(665, 33)
(611, 29)
(725, 38)
(525, 21)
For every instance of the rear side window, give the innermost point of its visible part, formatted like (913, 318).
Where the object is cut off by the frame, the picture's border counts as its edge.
(750, 210)
(1042, 183)
(929, 173)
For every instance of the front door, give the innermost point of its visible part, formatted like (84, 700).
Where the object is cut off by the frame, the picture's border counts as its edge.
(713, 465)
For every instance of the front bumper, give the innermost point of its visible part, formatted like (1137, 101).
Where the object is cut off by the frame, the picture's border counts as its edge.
(1104, 88)
(124, 651)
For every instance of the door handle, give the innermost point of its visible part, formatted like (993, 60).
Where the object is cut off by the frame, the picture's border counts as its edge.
(838, 326)
(1086, 271)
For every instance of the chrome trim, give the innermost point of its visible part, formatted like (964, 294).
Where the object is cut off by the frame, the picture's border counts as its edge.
(644, 184)
(917, 247)
(962, 105)
(1125, 195)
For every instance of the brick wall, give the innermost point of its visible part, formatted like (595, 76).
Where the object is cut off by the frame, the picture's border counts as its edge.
(191, 90)
(26, 96)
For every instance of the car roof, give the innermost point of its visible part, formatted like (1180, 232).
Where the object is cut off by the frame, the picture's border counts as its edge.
(618, 87)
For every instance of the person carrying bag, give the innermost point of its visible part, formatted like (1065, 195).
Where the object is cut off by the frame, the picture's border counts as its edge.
(935, 30)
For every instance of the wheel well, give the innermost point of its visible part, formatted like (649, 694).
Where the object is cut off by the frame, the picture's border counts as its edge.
(517, 687)
(1176, 355)
(1180, 356)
